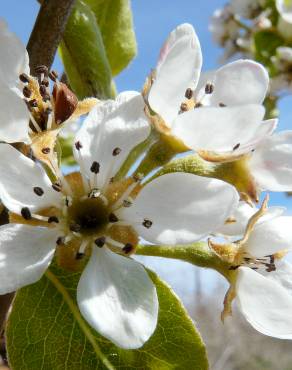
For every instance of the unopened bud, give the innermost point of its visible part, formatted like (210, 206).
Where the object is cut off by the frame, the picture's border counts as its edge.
(65, 102)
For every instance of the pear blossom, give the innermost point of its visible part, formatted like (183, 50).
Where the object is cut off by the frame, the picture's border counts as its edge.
(284, 8)
(262, 281)
(90, 214)
(223, 26)
(246, 8)
(219, 115)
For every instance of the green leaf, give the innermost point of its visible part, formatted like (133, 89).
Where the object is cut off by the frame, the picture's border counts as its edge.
(114, 18)
(83, 54)
(46, 331)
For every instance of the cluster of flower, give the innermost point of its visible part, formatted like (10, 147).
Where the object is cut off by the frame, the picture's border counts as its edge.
(261, 30)
(95, 218)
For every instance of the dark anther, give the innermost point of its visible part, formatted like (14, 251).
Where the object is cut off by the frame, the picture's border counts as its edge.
(95, 167)
(147, 223)
(183, 107)
(60, 240)
(79, 256)
(46, 97)
(46, 150)
(209, 88)
(272, 259)
(24, 78)
(127, 203)
(100, 241)
(236, 146)
(53, 219)
(234, 267)
(137, 177)
(45, 82)
(41, 69)
(43, 90)
(189, 93)
(222, 105)
(33, 103)
(116, 151)
(112, 218)
(78, 145)
(39, 191)
(53, 75)
(75, 227)
(56, 186)
(198, 105)
(25, 213)
(26, 92)
(128, 248)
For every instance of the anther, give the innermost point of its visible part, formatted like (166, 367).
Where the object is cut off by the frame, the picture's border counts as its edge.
(46, 97)
(112, 218)
(189, 93)
(127, 203)
(209, 88)
(56, 186)
(236, 146)
(234, 267)
(116, 151)
(183, 107)
(33, 103)
(45, 82)
(53, 75)
(26, 92)
(42, 69)
(75, 227)
(78, 145)
(52, 219)
(95, 167)
(198, 105)
(43, 90)
(60, 240)
(46, 150)
(94, 193)
(147, 223)
(79, 255)
(222, 105)
(25, 213)
(100, 241)
(38, 191)
(128, 248)
(24, 78)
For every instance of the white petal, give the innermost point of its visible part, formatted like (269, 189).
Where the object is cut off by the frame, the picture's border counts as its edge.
(282, 275)
(271, 163)
(244, 8)
(183, 208)
(240, 82)
(178, 68)
(25, 253)
(118, 299)
(270, 236)
(221, 129)
(19, 176)
(14, 116)
(242, 215)
(284, 7)
(14, 57)
(266, 305)
(115, 124)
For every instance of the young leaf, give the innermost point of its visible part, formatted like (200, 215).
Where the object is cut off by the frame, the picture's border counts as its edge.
(84, 56)
(45, 331)
(116, 25)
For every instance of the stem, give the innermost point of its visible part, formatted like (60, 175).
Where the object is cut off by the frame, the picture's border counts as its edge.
(198, 254)
(75, 312)
(48, 31)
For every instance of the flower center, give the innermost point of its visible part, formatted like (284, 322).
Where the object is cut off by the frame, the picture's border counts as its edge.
(88, 216)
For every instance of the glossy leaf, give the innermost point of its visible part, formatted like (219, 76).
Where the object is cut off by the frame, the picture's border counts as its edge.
(46, 331)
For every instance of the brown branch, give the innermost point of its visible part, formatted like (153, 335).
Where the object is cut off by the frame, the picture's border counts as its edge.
(42, 46)
(47, 32)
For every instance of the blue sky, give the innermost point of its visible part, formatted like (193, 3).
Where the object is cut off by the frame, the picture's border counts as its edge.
(153, 20)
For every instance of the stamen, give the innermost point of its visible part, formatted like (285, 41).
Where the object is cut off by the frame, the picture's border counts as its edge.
(33, 103)
(25, 213)
(26, 92)
(222, 105)
(53, 75)
(114, 243)
(236, 146)
(41, 69)
(209, 88)
(100, 242)
(128, 248)
(189, 93)
(198, 105)
(113, 218)
(81, 252)
(147, 223)
(45, 82)
(95, 167)
(116, 151)
(34, 123)
(56, 186)
(46, 150)
(75, 227)
(60, 240)
(24, 78)
(86, 185)
(50, 119)
(183, 107)
(38, 191)
(125, 197)
(52, 219)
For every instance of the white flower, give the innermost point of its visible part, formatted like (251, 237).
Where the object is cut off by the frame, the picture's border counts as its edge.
(284, 7)
(262, 281)
(245, 8)
(222, 26)
(91, 213)
(227, 120)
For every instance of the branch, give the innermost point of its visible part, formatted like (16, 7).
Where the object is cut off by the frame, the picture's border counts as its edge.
(48, 31)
